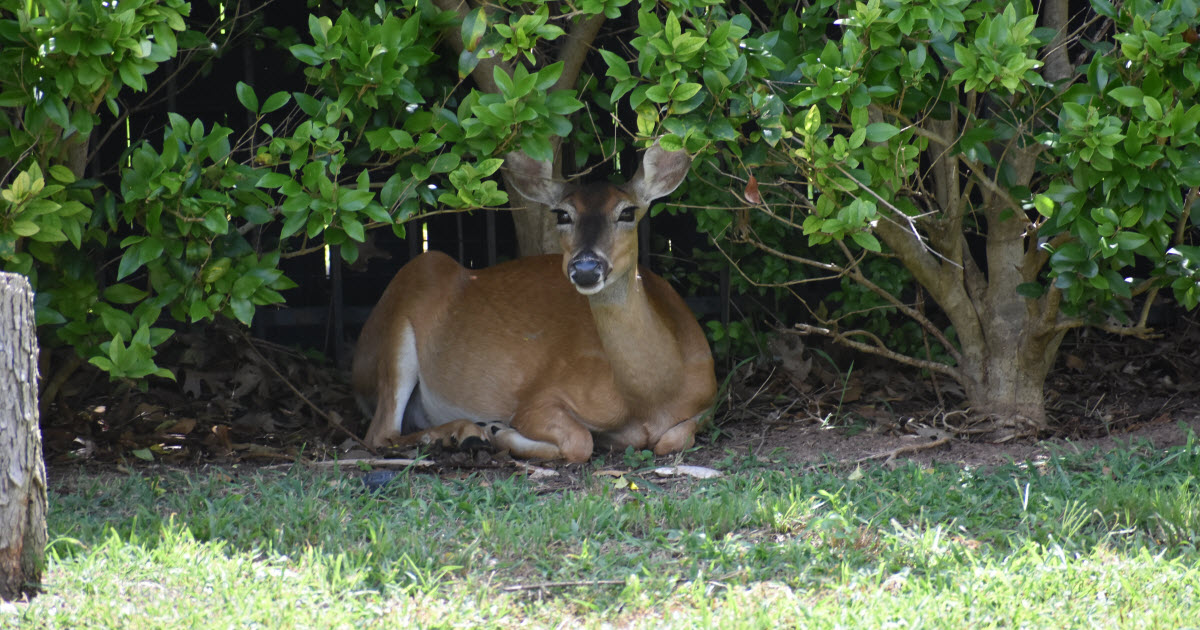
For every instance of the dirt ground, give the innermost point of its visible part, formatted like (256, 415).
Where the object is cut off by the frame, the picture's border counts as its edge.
(239, 400)
(812, 443)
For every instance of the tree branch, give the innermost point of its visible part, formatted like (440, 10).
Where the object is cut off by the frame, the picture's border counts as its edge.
(857, 275)
(879, 349)
(575, 49)
(977, 169)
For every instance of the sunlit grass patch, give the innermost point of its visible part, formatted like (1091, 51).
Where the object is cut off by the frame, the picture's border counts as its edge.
(1074, 541)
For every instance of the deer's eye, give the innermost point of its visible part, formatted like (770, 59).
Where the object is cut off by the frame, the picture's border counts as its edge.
(562, 217)
(628, 215)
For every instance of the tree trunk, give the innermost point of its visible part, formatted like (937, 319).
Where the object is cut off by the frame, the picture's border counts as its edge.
(533, 221)
(1055, 14)
(534, 238)
(1007, 343)
(1005, 381)
(22, 472)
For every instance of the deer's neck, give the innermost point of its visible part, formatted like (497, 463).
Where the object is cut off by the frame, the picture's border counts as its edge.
(640, 345)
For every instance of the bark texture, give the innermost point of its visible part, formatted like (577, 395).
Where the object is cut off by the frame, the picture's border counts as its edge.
(22, 472)
(1007, 342)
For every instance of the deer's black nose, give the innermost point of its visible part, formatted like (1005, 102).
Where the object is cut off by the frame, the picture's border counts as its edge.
(587, 271)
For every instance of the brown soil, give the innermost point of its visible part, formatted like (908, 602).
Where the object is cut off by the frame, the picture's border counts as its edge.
(813, 443)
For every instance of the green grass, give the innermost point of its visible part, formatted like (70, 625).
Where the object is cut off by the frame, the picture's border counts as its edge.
(1076, 541)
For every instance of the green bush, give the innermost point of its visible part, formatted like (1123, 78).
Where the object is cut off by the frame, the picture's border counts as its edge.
(1032, 173)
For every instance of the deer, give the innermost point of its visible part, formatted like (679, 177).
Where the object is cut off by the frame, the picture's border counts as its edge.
(546, 357)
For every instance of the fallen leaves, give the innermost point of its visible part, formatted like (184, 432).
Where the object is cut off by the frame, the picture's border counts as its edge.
(234, 400)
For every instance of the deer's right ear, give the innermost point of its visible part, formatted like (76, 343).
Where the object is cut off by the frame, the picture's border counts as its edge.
(533, 179)
(661, 173)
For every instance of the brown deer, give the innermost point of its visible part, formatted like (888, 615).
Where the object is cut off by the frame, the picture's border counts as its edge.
(547, 355)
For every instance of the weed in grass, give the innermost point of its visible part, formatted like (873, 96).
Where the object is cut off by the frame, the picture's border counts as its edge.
(638, 460)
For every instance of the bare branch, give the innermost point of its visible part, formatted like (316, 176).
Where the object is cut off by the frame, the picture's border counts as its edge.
(1139, 331)
(857, 275)
(879, 349)
(1146, 308)
(977, 170)
(836, 269)
(1181, 225)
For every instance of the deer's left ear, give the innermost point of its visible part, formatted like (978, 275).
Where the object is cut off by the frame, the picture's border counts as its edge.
(660, 174)
(533, 180)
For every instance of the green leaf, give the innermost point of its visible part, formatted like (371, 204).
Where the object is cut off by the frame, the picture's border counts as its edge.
(354, 230)
(856, 138)
(307, 54)
(548, 76)
(275, 101)
(243, 309)
(474, 25)
(1129, 95)
(124, 294)
(131, 76)
(684, 91)
(274, 180)
(215, 221)
(467, 62)
(246, 96)
(25, 228)
(291, 225)
(618, 68)
(50, 234)
(658, 94)
(671, 142)
(673, 29)
(881, 131)
(1130, 240)
(867, 241)
(504, 82)
(1153, 107)
(62, 174)
(1044, 205)
(563, 102)
(687, 46)
(13, 99)
(163, 373)
(444, 163)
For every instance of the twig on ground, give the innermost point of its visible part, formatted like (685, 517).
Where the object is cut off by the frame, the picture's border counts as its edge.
(887, 456)
(567, 584)
(373, 462)
(537, 586)
(904, 450)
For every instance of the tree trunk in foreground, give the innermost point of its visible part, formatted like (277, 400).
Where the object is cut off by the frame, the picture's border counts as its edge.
(22, 472)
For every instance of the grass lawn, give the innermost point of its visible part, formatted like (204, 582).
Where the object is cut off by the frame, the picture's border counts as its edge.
(1079, 541)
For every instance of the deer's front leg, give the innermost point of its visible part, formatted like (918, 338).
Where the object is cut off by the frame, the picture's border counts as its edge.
(545, 431)
(454, 434)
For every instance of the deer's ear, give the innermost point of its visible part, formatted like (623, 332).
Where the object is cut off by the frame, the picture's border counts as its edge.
(660, 174)
(534, 180)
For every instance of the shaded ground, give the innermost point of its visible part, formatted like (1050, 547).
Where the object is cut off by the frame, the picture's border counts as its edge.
(240, 400)
(812, 443)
